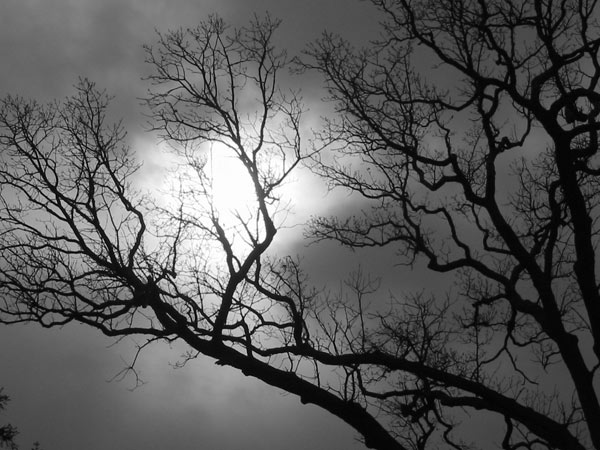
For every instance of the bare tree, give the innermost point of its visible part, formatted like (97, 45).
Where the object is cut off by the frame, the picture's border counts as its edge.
(493, 182)
(472, 129)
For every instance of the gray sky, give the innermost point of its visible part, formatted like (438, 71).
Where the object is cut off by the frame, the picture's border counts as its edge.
(58, 378)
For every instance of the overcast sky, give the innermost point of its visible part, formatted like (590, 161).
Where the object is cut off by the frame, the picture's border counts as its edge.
(58, 378)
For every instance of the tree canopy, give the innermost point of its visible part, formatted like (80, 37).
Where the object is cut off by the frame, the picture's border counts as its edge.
(469, 133)
(7, 432)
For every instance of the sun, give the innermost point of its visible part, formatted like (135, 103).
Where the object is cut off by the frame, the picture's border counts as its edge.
(232, 190)
(206, 179)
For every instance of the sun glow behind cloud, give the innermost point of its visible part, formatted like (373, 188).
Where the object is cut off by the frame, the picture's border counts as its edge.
(200, 187)
(232, 190)
(210, 175)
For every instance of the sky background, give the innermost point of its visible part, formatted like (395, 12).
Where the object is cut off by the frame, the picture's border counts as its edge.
(58, 379)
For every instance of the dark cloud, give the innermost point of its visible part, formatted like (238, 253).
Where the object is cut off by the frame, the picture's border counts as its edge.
(46, 45)
(50, 44)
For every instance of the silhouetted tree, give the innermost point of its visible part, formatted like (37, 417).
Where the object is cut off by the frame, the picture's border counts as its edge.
(470, 132)
(472, 129)
(7, 432)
